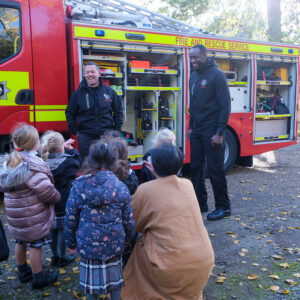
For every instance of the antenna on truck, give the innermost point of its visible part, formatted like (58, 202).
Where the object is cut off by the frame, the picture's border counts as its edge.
(119, 12)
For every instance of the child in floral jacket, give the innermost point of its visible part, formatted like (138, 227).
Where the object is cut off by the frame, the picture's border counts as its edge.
(98, 221)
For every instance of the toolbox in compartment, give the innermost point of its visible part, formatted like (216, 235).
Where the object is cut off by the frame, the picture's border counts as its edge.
(160, 66)
(139, 63)
(281, 73)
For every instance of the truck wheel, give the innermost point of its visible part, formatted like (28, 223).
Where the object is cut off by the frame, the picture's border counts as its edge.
(5, 144)
(230, 150)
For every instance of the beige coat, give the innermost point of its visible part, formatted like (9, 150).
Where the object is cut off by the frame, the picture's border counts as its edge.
(174, 258)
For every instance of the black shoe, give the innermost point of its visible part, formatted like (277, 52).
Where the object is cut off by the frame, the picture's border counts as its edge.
(24, 273)
(42, 279)
(218, 214)
(54, 261)
(62, 262)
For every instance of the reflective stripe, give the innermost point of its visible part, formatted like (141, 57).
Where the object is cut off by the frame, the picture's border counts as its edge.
(12, 82)
(272, 116)
(48, 116)
(180, 41)
(150, 88)
(279, 137)
(50, 107)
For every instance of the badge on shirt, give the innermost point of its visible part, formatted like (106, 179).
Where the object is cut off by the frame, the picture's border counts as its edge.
(107, 98)
(203, 84)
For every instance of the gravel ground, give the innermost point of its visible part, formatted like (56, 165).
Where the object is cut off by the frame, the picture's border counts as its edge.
(260, 239)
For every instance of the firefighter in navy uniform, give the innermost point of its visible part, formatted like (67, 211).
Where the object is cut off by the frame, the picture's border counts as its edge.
(93, 109)
(209, 114)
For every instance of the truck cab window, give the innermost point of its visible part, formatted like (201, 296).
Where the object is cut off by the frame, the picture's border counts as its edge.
(9, 32)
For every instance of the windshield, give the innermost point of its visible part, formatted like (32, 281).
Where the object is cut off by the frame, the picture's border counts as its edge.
(9, 32)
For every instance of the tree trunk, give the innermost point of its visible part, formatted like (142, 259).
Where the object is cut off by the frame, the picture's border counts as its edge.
(274, 20)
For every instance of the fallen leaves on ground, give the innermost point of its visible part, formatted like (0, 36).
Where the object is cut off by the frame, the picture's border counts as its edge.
(252, 277)
(290, 281)
(277, 257)
(284, 265)
(61, 271)
(221, 279)
(274, 288)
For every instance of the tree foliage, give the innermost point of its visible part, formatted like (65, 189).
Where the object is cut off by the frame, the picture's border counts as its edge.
(185, 9)
(9, 32)
(273, 20)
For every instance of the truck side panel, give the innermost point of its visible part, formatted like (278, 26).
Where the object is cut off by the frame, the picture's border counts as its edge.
(49, 64)
(16, 72)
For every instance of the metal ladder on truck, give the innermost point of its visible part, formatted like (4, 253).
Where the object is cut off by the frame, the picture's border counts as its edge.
(119, 12)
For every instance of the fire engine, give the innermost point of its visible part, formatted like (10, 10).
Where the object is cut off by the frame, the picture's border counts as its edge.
(144, 57)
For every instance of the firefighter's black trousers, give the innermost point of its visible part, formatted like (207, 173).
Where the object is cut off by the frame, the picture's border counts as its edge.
(84, 143)
(201, 151)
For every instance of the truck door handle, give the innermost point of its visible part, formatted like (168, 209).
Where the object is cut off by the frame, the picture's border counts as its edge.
(25, 97)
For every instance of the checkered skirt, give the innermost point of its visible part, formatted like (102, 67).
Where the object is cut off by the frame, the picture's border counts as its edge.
(100, 277)
(36, 244)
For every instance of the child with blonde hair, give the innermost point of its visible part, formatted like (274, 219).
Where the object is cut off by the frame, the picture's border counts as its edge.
(64, 162)
(29, 195)
(164, 137)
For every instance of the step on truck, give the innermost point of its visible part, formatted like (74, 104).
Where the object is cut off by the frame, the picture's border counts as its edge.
(144, 57)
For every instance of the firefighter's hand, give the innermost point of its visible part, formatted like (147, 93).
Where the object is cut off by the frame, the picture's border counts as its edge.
(216, 140)
(188, 134)
(68, 144)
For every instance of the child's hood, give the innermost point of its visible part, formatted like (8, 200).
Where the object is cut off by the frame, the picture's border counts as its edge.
(55, 160)
(12, 179)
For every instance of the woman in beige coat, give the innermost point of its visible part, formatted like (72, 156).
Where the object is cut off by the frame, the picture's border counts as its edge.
(174, 257)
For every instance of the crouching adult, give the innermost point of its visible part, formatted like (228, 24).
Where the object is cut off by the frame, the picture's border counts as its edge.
(174, 257)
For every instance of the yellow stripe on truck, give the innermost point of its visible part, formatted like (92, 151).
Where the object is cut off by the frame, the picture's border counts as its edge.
(46, 107)
(50, 116)
(116, 35)
(12, 82)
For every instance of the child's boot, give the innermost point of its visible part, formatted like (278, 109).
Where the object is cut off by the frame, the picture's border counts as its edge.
(24, 273)
(42, 279)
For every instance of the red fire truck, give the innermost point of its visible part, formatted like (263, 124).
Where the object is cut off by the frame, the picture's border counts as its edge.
(144, 57)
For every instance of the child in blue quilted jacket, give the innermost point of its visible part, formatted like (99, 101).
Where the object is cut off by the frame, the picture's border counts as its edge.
(98, 221)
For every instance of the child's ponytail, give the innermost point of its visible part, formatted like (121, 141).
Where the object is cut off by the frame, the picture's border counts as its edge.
(24, 138)
(14, 159)
(44, 151)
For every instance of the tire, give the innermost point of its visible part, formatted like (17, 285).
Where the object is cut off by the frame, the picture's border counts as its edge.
(5, 144)
(230, 154)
